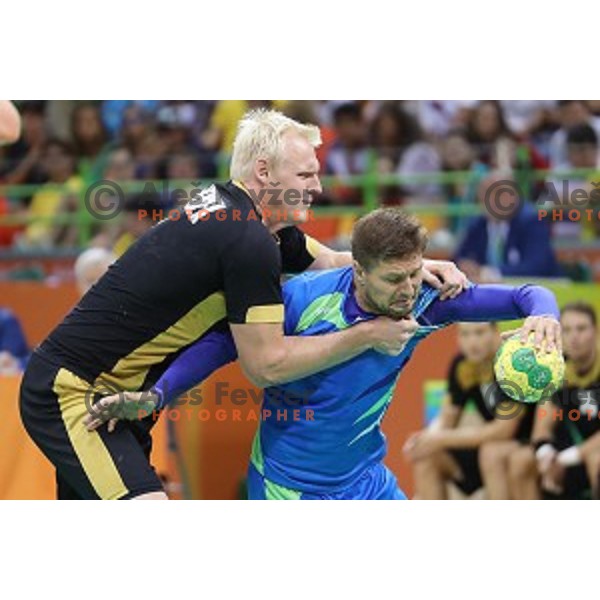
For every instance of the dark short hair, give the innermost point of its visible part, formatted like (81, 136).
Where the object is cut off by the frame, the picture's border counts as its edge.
(348, 110)
(581, 307)
(582, 134)
(387, 234)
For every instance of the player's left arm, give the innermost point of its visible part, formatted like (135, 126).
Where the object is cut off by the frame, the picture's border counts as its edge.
(536, 304)
(190, 368)
(443, 275)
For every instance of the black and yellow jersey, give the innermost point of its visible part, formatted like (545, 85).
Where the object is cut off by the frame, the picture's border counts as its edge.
(576, 416)
(216, 263)
(475, 382)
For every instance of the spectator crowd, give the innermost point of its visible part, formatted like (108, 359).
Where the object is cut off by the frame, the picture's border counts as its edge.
(436, 154)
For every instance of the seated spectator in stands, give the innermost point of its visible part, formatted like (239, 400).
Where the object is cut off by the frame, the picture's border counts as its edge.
(571, 113)
(438, 117)
(487, 131)
(90, 265)
(348, 154)
(448, 453)
(56, 198)
(459, 156)
(21, 161)
(564, 460)
(90, 139)
(569, 193)
(400, 148)
(524, 118)
(14, 352)
(183, 167)
(389, 131)
(136, 135)
(120, 166)
(516, 245)
(140, 213)
(114, 112)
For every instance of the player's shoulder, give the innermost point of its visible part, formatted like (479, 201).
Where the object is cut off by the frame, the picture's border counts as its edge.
(324, 280)
(218, 197)
(309, 286)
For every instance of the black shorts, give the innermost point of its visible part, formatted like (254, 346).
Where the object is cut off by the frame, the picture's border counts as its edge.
(90, 465)
(468, 461)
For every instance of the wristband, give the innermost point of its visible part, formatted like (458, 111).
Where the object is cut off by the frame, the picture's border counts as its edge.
(545, 451)
(570, 457)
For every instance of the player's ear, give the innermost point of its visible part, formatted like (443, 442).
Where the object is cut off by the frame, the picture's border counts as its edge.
(359, 272)
(261, 170)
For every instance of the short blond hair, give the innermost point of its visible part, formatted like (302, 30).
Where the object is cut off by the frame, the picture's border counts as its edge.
(260, 134)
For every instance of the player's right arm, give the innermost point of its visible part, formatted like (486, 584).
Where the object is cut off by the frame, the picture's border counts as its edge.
(268, 357)
(251, 267)
(10, 123)
(536, 304)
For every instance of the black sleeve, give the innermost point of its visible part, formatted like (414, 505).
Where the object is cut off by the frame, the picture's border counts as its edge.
(251, 278)
(295, 257)
(456, 385)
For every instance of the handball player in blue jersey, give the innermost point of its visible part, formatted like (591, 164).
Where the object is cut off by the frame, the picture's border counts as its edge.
(320, 436)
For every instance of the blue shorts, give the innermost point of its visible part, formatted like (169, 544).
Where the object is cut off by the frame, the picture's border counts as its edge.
(375, 483)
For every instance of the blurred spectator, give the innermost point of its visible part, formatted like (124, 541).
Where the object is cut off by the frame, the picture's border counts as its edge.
(136, 135)
(571, 113)
(141, 212)
(58, 196)
(575, 193)
(564, 460)
(21, 161)
(90, 265)
(487, 130)
(459, 157)
(448, 453)
(89, 139)
(508, 240)
(348, 154)
(526, 117)
(113, 112)
(120, 166)
(400, 148)
(14, 352)
(183, 166)
(438, 117)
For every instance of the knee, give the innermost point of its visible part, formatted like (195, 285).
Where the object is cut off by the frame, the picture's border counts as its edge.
(490, 457)
(522, 463)
(426, 466)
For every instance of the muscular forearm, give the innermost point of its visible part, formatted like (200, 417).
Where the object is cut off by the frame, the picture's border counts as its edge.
(298, 357)
(494, 303)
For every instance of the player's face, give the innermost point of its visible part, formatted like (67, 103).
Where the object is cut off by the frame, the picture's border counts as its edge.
(297, 176)
(391, 287)
(478, 341)
(579, 335)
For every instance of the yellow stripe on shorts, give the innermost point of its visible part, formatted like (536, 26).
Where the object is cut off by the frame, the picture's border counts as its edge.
(93, 455)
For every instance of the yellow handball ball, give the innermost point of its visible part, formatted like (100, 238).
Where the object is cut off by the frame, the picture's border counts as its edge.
(526, 374)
